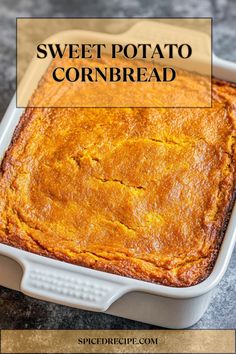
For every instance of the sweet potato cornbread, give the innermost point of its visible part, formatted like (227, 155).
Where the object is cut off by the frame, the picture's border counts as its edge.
(143, 193)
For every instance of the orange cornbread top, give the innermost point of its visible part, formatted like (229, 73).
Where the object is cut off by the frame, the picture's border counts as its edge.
(142, 193)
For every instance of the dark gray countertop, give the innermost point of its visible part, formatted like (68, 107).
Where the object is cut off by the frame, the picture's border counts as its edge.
(19, 311)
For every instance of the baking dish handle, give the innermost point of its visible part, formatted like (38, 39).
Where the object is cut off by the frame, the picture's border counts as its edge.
(224, 69)
(79, 288)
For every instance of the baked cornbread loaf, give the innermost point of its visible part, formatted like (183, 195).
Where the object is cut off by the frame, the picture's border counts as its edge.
(143, 193)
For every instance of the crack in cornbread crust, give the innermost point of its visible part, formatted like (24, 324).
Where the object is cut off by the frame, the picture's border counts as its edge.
(108, 203)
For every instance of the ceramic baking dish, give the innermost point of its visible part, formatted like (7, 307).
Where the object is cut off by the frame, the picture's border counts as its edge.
(92, 290)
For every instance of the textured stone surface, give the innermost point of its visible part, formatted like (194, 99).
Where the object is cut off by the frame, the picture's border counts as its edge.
(19, 311)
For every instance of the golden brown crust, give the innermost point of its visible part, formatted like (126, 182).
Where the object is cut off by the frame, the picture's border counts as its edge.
(143, 193)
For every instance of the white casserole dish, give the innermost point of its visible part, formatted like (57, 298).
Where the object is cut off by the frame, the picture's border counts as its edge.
(88, 289)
